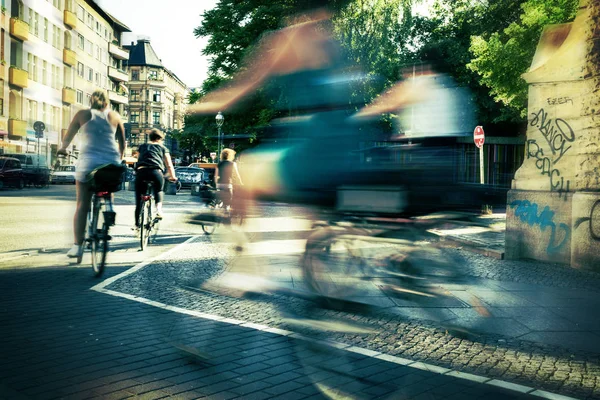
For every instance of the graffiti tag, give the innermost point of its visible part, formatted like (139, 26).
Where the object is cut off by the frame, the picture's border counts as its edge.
(559, 100)
(545, 165)
(557, 132)
(528, 213)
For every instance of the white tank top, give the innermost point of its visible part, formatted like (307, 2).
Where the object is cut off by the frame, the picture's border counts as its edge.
(98, 144)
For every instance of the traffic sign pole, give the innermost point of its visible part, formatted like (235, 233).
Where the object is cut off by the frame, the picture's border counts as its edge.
(481, 173)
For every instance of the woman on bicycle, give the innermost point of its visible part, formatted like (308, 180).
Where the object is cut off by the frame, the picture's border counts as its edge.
(153, 160)
(225, 174)
(98, 126)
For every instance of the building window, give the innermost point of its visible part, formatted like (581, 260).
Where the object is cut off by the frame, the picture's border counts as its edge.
(81, 41)
(32, 67)
(156, 118)
(97, 78)
(44, 113)
(80, 97)
(80, 13)
(156, 96)
(134, 117)
(90, 74)
(80, 69)
(44, 72)
(89, 47)
(135, 74)
(153, 75)
(31, 111)
(135, 95)
(88, 98)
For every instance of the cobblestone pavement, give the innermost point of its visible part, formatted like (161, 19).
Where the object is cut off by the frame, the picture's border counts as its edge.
(61, 340)
(560, 369)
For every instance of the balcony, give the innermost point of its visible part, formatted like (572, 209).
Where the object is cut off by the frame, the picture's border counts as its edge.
(117, 75)
(18, 77)
(69, 57)
(117, 97)
(2, 68)
(17, 127)
(19, 29)
(70, 19)
(118, 52)
(69, 96)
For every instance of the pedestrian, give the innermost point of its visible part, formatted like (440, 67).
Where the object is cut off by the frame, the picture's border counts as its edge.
(153, 161)
(98, 126)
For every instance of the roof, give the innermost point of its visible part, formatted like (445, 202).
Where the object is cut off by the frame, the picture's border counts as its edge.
(142, 53)
(115, 23)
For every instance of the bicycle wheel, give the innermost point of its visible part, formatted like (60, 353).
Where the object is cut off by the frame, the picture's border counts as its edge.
(145, 225)
(332, 265)
(209, 227)
(95, 236)
(155, 227)
(100, 250)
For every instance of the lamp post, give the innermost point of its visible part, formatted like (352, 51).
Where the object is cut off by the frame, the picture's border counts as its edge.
(219, 119)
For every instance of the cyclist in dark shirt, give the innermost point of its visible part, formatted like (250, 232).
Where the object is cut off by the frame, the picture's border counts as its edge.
(153, 160)
(225, 175)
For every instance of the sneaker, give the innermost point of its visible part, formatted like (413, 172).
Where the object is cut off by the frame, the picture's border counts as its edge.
(136, 230)
(158, 216)
(75, 252)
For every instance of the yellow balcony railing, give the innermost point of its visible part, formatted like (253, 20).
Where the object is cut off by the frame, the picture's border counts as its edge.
(17, 127)
(2, 68)
(69, 57)
(18, 77)
(70, 19)
(19, 29)
(69, 96)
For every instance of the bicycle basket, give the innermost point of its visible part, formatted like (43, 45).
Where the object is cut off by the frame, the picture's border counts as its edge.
(107, 178)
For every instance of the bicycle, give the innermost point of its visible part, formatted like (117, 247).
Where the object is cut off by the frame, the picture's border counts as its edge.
(104, 181)
(399, 254)
(221, 214)
(147, 222)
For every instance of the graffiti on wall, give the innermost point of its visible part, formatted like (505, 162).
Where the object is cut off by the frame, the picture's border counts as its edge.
(593, 221)
(559, 136)
(527, 212)
(553, 101)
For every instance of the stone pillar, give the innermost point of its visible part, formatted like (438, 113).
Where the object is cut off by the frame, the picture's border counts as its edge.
(553, 208)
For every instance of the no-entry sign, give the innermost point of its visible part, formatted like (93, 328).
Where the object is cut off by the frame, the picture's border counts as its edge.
(479, 136)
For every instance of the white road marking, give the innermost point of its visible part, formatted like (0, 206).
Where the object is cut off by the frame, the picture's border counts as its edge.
(333, 344)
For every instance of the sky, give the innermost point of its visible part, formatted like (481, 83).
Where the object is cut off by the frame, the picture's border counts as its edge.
(171, 31)
(170, 27)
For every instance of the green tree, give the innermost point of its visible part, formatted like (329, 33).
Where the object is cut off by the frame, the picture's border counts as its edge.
(501, 58)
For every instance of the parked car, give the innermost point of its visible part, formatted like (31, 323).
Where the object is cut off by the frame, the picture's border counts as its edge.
(63, 174)
(35, 168)
(189, 175)
(11, 173)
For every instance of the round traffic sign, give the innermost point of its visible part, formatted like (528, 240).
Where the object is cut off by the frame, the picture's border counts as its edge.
(479, 136)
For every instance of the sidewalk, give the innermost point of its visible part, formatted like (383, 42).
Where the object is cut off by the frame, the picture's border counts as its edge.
(486, 238)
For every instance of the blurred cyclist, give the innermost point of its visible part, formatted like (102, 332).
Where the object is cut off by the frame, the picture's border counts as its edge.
(153, 160)
(225, 175)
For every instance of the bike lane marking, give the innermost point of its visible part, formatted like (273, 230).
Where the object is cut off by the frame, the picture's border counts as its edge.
(101, 288)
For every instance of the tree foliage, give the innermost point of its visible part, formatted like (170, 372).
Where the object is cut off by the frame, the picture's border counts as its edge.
(501, 58)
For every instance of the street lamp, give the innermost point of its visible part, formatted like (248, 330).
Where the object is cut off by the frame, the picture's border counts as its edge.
(219, 119)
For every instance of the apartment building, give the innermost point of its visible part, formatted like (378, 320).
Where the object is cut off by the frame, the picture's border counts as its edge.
(59, 52)
(157, 97)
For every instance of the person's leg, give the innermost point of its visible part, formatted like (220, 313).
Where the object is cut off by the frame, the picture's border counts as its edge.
(139, 191)
(84, 198)
(82, 208)
(159, 183)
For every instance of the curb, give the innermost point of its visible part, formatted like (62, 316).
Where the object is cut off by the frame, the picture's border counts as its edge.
(472, 247)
